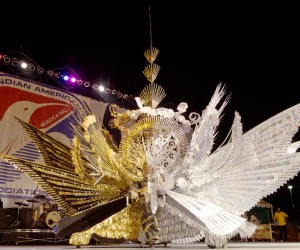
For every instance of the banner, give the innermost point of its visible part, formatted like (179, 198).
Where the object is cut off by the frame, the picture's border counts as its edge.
(48, 109)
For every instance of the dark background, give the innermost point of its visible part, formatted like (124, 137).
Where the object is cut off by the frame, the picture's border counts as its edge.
(251, 46)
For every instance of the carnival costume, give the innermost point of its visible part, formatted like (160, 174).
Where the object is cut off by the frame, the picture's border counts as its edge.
(164, 182)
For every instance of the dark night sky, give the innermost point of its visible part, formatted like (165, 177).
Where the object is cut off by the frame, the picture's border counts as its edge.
(251, 46)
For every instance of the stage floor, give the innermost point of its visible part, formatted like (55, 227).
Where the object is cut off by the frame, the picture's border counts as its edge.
(231, 245)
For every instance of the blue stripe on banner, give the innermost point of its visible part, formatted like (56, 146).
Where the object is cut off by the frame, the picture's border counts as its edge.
(2, 176)
(9, 170)
(24, 156)
(29, 150)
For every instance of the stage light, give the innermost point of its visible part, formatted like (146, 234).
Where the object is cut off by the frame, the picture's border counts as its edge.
(107, 91)
(125, 97)
(66, 78)
(73, 79)
(31, 67)
(290, 187)
(95, 86)
(49, 73)
(86, 84)
(57, 74)
(6, 59)
(114, 92)
(24, 65)
(101, 88)
(39, 70)
(14, 62)
(79, 82)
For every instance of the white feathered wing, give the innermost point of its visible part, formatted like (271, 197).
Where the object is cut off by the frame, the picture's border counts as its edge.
(236, 176)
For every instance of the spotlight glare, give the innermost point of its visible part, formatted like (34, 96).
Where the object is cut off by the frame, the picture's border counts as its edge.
(24, 65)
(73, 79)
(86, 84)
(66, 78)
(101, 88)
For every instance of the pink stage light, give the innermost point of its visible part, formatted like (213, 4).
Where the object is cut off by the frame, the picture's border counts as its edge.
(73, 79)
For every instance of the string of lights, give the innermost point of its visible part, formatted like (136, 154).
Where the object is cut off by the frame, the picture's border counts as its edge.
(22, 65)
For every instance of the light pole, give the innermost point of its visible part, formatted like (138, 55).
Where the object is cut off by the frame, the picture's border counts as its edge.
(290, 187)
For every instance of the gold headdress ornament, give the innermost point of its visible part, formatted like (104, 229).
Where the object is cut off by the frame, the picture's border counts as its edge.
(152, 94)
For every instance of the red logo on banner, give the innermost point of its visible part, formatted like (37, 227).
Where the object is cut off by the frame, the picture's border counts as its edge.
(38, 110)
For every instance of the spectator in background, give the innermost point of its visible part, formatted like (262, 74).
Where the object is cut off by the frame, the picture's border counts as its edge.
(281, 218)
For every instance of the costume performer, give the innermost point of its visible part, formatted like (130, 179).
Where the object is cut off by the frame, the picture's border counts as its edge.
(163, 180)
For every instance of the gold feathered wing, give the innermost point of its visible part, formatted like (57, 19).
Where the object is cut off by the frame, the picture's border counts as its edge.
(71, 189)
(86, 176)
